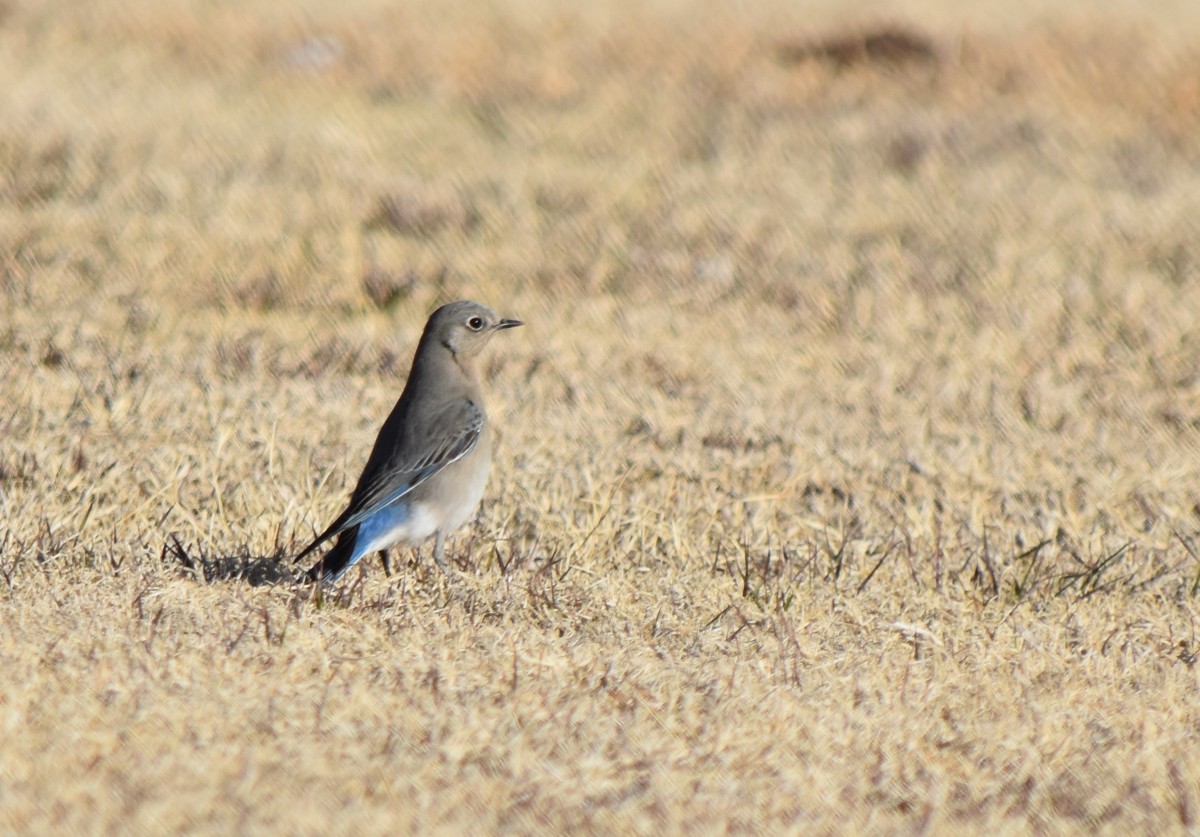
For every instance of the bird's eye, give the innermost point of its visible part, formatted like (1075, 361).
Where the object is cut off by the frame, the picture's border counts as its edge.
(475, 323)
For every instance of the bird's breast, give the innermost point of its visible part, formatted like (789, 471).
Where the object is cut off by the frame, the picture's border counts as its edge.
(461, 490)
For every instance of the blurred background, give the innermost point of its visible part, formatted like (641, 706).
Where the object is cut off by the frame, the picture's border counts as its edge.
(951, 237)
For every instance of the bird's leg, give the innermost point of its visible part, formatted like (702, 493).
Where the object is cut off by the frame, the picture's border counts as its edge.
(439, 549)
(386, 557)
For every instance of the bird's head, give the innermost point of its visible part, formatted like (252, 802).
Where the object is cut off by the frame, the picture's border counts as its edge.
(465, 327)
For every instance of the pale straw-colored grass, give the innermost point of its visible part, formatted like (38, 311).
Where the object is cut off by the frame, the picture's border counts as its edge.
(846, 474)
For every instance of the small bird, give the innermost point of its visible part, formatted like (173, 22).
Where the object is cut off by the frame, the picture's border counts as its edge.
(427, 471)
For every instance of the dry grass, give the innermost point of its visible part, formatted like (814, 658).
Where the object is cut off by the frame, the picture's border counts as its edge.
(847, 471)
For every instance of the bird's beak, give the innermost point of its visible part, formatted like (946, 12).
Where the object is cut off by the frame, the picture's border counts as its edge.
(508, 324)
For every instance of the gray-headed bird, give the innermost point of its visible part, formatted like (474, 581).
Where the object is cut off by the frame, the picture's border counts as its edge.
(427, 471)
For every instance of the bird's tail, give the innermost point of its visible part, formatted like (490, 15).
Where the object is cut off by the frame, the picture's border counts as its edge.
(337, 560)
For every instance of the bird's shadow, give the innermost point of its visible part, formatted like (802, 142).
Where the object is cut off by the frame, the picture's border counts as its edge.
(241, 565)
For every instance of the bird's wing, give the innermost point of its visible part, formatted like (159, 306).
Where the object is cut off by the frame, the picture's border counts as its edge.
(456, 432)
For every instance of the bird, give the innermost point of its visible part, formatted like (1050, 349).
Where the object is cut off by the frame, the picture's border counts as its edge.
(428, 468)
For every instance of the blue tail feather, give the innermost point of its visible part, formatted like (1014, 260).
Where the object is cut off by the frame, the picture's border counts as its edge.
(337, 560)
(357, 541)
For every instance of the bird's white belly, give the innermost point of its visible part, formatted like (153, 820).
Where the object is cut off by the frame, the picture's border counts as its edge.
(411, 528)
(412, 522)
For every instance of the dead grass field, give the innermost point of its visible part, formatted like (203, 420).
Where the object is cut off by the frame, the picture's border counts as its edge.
(847, 476)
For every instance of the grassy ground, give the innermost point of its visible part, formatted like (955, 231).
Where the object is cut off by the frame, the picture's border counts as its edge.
(847, 468)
